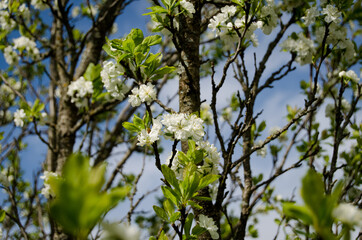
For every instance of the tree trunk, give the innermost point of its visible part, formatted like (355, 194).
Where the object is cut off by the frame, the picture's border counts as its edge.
(189, 87)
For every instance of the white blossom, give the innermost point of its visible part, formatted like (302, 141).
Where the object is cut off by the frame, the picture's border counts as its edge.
(262, 151)
(229, 10)
(270, 18)
(11, 57)
(110, 75)
(209, 225)
(23, 43)
(91, 10)
(121, 231)
(226, 114)
(304, 47)
(311, 15)
(329, 111)
(189, 7)
(145, 93)
(75, 11)
(4, 180)
(211, 158)
(148, 137)
(47, 191)
(217, 21)
(38, 4)
(206, 114)
(348, 214)
(6, 22)
(114, 28)
(349, 74)
(19, 117)
(182, 126)
(79, 90)
(24, 11)
(4, 4)
(332, 14)
(278, 197)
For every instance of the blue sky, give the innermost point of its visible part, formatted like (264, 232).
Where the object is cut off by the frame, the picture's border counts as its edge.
(273, 103)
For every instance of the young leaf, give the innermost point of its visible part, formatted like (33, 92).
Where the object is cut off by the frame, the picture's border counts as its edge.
(188, 224)
(160, 212)
(131, 127)
(171, 194)
(207, 180)
(170, 176)
(175, 216)
(152, 40)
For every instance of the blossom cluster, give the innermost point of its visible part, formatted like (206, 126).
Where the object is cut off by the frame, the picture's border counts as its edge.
(79, 90)
(19, 117)
(337, 35)
(269, 17)
(348, 214)
(47, 191)
(210, 164)
(25, 46)
(178, 126)
(350, 75)
(205, 114)
(219, 20)
(6, 22)
(145, 93)
(189, 7)
(182, 126)
(148, 137)
(304, 48)
(225, 28)
(111, 78)
(209, 225)
(39, 4)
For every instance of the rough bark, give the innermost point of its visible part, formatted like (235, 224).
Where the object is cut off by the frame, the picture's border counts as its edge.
(67, 113)
(189, 87)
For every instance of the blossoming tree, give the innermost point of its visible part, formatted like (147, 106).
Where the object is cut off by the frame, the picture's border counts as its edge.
(85, 96)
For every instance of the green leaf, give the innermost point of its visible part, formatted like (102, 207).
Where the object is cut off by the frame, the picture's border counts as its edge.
(207, 180)
(188, 224)
(197, 230)
(169, 207)
(160, 212)
(313, 193)
(201, 198)
(152, 40)
(193, 204)
(131, 127)
(2, 215)
(92, 72)
(163, 236)
(81, 185)
(156, 9)
(138, 122)
(128, 46)
(175, 216)
(170, 176)
(183, 159)
(136, 35)
(171, 194)
(298, 212)
(262, 126)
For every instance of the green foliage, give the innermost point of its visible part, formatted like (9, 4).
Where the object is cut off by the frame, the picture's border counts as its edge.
(138, 123)
(81, 186)
(93, 74)
(317, 211)
(133, 53)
